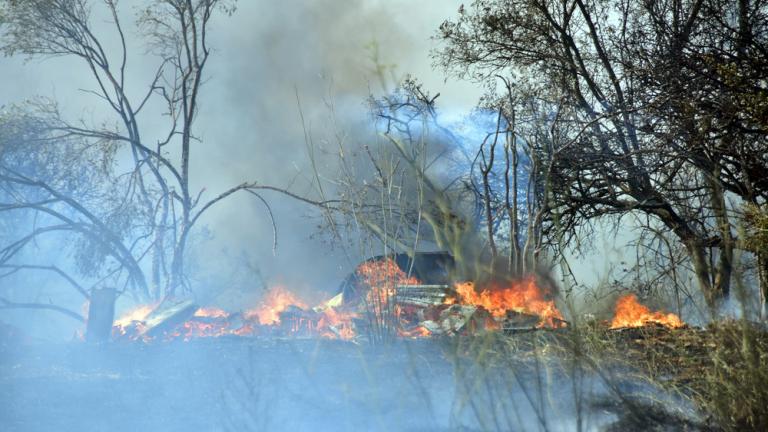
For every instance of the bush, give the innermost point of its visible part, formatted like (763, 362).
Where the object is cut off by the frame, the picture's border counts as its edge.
(736, 385)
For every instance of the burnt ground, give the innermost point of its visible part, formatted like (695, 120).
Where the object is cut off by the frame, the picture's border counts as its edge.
(239, 384)
(221, 384)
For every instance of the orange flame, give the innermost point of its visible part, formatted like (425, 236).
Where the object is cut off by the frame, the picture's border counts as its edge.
(336, 324)
(211, 312)
(334, 319)
(277, 300)
(523, 296)
(131, 322)
(139, 313)
(382, 277)
(630, 313)
(416, 332)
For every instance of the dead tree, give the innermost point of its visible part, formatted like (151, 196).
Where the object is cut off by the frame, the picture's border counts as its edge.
(176, 32)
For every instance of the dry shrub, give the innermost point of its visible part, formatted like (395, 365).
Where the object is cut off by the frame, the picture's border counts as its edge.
(735, 393)
(756, 228)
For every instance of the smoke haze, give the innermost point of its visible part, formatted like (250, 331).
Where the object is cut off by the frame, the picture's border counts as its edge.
(265, 59)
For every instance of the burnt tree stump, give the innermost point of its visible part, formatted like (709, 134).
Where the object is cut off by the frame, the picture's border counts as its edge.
(101, 314)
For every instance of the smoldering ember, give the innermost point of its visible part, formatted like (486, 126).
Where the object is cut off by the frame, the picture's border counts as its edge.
(502, 215)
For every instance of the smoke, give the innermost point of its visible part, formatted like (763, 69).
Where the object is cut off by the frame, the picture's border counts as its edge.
(315, 385)
(266, 59)
(270, 64)
(270, 67)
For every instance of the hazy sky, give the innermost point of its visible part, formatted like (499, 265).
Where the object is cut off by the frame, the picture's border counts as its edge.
(265, 54)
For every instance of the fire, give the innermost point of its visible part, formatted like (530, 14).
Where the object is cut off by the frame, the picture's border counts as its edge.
(382, 277)
(329, 320)
(416, 332)
(211, 312)
(206, 322)
(138, 313)
(130, 324)
(418, 311)
(277, 300)
(196, 329)
(336, 324)
(630, 313)
(523, 296)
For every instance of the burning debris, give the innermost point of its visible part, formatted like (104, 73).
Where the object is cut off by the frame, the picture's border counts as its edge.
(630, 313)
(276, 301)
(522, 297)
(167, 317)
(380, 295)
(280, 314)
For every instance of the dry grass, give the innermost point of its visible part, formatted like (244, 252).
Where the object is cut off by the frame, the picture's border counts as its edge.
(652, 378)
(722, 369)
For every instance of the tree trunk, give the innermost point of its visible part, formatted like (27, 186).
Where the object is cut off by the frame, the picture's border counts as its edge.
(486, 169)
(695, 246)
(702, 271)
(514, 222)
(762, 275)
(722, 282)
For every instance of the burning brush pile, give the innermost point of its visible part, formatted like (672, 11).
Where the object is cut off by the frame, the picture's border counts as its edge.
(281, 313)
(380, 300)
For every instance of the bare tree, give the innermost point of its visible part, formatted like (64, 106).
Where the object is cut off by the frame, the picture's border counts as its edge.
(122, 194)
(522, 189)
(176, 33)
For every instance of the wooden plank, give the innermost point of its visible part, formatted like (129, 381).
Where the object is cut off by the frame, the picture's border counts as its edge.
(421, 295)
(167, 316)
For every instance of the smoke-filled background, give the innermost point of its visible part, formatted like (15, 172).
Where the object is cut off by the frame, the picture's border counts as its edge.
(270, 66)
(267, 63)
(287, 90)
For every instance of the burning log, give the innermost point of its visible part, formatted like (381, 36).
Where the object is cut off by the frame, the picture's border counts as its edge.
(167, 317)
(297, 321)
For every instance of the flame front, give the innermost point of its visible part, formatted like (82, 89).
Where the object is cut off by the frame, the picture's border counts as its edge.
(277, 300)
(211, 312)
(336, 324)
(136, 314)
(282, 313)
(523, 296)
(630, 313)
(382, 277)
